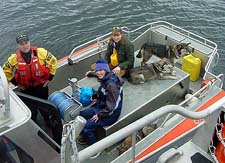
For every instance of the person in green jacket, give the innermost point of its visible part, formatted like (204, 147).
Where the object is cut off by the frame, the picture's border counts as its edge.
(119, 54)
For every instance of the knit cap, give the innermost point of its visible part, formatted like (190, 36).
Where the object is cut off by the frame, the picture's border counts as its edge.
(102, 64)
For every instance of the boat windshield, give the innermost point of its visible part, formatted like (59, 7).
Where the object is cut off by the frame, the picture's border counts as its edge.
(11, 153)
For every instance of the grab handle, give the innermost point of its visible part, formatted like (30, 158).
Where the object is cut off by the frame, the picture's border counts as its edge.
(168, 155)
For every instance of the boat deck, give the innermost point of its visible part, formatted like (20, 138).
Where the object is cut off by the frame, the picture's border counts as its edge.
(142, 99)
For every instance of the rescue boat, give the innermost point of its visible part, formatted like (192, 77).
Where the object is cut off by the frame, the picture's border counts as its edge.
(187, 113)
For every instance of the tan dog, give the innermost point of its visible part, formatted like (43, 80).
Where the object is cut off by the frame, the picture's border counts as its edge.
(127, 143)
(162, 69)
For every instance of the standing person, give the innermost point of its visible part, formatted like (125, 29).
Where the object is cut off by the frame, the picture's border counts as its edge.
(107, 108)
(119, 54)
(34, 68)
(31, 69)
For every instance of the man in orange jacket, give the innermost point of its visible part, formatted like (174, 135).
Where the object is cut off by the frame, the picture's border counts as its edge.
(31, 69)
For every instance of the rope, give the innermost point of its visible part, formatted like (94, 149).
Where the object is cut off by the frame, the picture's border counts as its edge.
(219, 127)
(212, 150)
(68, 138)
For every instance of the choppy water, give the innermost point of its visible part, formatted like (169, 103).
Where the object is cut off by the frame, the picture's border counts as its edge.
(60, 25)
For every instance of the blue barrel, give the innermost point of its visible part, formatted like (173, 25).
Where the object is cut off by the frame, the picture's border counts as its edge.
(63, 102)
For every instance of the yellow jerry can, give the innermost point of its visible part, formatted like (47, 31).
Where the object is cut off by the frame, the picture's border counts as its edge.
(191, 65)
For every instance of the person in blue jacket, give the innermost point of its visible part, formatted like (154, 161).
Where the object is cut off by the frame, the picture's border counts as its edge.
(107, 108)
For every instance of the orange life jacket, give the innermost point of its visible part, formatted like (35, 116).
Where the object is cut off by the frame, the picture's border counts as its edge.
(31, 74)
(220, 149)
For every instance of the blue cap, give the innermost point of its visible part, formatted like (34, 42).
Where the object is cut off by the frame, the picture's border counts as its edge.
(102, 64)
(21, 37)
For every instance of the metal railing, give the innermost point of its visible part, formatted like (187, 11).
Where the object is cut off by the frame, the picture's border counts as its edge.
(191, 35)
(170, 26)
(70, 61)
(96, 40)
(5, 96)
(199, 94)
(148, 119)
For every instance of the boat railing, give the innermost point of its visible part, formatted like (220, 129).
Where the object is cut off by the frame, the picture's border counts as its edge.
(169, 26)
(100, 40)
(187, 34)
(4, 94)
(96, 40)
(194, 37)
(132, 128)
(176, 29)
(201, 93)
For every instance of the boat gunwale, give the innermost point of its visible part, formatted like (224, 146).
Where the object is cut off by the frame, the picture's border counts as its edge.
(90, 44)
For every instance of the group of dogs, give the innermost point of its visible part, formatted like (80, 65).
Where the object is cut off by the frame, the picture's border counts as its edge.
(161, 69)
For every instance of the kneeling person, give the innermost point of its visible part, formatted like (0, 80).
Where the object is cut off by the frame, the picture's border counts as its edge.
(107, 108)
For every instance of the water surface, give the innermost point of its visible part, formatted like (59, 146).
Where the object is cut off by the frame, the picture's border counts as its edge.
(59, 25)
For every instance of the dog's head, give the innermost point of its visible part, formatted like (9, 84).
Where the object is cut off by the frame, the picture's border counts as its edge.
(180, 50)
